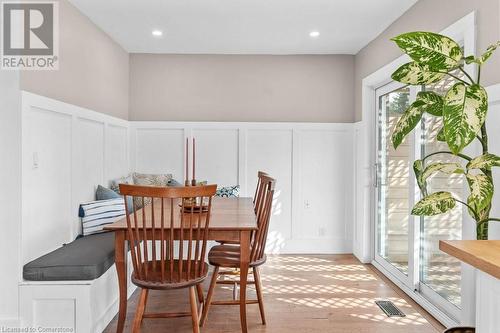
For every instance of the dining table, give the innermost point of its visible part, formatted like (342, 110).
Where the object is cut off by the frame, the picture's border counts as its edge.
(231, 219)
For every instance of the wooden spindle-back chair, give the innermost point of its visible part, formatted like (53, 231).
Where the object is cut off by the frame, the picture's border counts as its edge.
(227, 256)
(257, 200)
(258, 189)
(168, 242)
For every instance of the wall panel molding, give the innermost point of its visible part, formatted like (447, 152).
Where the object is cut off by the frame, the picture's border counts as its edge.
(66, 152)
(313, 163)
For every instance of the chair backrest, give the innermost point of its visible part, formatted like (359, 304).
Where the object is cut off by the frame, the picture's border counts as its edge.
(259, 189)
(263, 212)
(170, 220)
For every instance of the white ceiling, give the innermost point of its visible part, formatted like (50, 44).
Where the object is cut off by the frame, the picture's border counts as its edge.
(243, 26)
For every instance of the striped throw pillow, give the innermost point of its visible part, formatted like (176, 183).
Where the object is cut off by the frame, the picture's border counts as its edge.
(96, 214)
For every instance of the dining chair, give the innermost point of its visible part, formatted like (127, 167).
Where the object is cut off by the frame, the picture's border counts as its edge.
(256, 200)
(175, 257)
(228, 256)
(258, 189)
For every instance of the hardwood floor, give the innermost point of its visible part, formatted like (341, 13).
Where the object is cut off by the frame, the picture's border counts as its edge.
(302, 293)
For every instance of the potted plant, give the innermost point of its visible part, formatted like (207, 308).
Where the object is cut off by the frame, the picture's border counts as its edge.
(463, 110)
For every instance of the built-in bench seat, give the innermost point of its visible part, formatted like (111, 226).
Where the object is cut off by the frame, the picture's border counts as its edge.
(74, 286)
(86, 258)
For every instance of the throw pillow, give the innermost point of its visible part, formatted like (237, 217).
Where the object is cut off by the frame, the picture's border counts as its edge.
(114, 184)
(103, 193)
(228, 191)
(145, 179)
(96, 214)
(175, 183)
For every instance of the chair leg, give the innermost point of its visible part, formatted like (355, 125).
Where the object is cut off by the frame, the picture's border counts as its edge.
(145, 303)
(213, 283)
(258, 288)
(139, 312)
(199, 290)
(194, 309)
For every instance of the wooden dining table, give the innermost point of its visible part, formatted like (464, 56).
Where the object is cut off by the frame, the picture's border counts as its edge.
(232, 219)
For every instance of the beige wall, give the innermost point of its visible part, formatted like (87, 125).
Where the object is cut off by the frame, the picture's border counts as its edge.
(303, 88)
(431, 15)
(93, 69)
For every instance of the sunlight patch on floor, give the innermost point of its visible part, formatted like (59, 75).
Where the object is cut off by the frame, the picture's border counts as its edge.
(319, 268)
(350, 277)
(313, 289)
(332, 303)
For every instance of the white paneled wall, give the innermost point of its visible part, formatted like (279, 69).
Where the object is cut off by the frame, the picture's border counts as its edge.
(66, 152)
(313, 165)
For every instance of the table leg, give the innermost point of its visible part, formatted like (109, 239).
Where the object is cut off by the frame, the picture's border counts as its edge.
(244, 261)
(121, 269)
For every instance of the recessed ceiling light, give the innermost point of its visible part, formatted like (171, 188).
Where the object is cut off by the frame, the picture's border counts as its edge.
(157, 33)
(314, 34)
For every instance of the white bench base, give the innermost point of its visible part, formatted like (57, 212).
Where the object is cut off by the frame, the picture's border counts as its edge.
(83, 306)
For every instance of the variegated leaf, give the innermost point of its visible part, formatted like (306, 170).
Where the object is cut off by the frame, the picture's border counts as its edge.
(440, 136)
(489, 51)
(470, 59)
(484, 57)
(418, 168)
(433, 102)
(481, 191)
(434, 204)
(484, 161)
(407, 122)
(415, 74)
(464, 113)
(447, 168)
(436, 51)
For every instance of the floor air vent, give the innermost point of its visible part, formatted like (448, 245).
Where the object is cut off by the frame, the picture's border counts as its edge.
(390, 309)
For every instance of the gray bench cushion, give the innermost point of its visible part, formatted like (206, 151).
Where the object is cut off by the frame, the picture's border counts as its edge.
(86, 258)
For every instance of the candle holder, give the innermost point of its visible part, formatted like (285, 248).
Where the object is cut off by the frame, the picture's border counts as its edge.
(193, 205)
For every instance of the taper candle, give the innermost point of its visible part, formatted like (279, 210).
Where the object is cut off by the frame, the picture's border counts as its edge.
(187, 161)
(194, 159)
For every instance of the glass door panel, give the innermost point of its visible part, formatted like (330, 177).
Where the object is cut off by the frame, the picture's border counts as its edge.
(439, 271)
(393, 185)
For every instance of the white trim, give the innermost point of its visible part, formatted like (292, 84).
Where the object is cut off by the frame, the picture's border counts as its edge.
(236, 125)
(493, 94)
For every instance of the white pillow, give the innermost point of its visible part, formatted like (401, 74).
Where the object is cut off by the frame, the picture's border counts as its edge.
(96, 214)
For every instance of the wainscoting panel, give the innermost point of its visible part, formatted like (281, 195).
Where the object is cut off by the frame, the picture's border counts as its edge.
(326, 183)
(313, 165)
(88, 162)
(117, 151)
(270, 150)
(217, 155)
(67, 152)
(159, 150)
(46, 179)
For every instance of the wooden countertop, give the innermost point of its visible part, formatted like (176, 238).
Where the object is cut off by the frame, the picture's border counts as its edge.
(482, 254)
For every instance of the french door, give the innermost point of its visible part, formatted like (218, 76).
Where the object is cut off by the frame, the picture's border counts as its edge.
(394, 186)
(406, 246)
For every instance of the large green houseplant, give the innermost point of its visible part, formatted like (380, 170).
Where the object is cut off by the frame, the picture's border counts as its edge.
(463, 110)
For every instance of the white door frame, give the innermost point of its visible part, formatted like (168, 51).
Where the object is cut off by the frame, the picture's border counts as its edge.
(464, 29)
